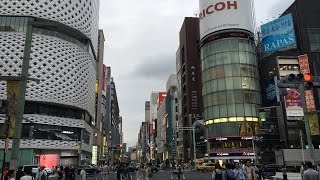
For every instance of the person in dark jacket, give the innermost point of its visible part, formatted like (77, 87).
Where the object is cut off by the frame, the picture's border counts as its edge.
(19, 173)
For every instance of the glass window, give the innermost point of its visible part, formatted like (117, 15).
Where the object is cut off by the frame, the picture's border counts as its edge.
(209, 100)
(221, 84)
(222, 98)
(230, 97)
(228, 70)
(240, 110)
(234, 44)
(247, 108)
(236, 70)
(214, 85)
(216, 112)
(314, 38)
(229, 83)
(237, 83)
(243, 57)
(235, 57)
(210, 113)
(231, 110)
(215, 99)
(223, 111)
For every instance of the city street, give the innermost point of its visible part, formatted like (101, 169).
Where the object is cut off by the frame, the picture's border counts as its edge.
(192, 175)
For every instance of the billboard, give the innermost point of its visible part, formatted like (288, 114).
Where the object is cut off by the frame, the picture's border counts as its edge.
(278, 35)
(293, 104)
(217, 15)
(161, 97)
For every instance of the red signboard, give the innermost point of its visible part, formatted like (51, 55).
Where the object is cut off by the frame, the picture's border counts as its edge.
(304, 68)
(161, 98)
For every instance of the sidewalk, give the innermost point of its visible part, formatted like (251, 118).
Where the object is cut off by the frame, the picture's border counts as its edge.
(291, 176)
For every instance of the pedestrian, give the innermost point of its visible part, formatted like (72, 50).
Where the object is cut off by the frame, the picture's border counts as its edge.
(218, 173)
(249, 171)
(19, 173)
(141, 172)
(27, 174)
(318, 168)
(42, 174)
(149, 173)
(11, 175)
(83, 174)
(105, 171)
(310, 173)
(119, 171)
(284, 172)
(229, 173)
(238, 172)
(302, 169)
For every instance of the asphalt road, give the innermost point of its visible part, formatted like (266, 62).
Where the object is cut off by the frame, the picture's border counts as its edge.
(189, 175)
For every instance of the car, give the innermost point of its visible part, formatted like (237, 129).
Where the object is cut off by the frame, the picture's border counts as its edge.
(206, 167)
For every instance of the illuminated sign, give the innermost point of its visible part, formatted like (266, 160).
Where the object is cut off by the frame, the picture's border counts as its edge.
(218, 15)
(224, 35)
(231, 138)
(278, 34)
(222, 154)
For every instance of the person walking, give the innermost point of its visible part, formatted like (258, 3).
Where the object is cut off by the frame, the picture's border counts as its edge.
(218, 173)
(105, 171)
(302, 169)
(27, 174)
(141, 174)
(239, 175)
(83, 174)
(19, 173)
(249, 171)
(310, 173)
(42, 174)
(11, 175)
(149, 173)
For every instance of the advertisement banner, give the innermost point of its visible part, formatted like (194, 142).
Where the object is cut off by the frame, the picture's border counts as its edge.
(217, 15)
(271, 92)
(278, 35)
(161, 97)
(12, 97)
(304, 68)
(293, 104)
(314, 124)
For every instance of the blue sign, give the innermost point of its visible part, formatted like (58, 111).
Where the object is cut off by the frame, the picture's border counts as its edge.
(271, 92)
(278, 35)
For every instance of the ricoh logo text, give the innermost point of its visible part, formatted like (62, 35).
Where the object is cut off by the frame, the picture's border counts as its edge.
(219, 6)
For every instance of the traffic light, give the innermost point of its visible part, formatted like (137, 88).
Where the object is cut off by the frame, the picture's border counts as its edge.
(308, 84)
(294, 78)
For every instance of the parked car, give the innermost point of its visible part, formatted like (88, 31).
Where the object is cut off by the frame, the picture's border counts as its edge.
(206, 167)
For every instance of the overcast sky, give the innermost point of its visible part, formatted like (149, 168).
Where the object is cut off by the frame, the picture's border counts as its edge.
(141, 42)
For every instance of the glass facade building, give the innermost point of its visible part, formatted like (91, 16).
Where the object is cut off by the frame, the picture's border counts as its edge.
(231, 93)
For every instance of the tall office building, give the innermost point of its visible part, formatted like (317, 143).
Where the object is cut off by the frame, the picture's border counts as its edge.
(189, 84)
(60, 109)
(231, 90)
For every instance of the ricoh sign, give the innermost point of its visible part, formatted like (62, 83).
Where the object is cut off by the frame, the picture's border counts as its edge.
(218, 15)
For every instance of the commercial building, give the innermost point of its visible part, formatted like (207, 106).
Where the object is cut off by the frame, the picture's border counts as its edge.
(230, 78)
(189, 84)
(161, 127)
(279, 60)
(113, 121)
(60, 109)
(153, 125)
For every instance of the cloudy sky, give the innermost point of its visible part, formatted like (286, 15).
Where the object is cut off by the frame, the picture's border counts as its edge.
(141, 42)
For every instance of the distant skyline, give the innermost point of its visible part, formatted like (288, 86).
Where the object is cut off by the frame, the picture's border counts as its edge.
(141, 41)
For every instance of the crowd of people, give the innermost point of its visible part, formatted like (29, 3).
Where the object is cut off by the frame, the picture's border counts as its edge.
(235, 171)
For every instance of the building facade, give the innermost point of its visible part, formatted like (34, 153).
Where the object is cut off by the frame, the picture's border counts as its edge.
(60, 109)
(230, 77)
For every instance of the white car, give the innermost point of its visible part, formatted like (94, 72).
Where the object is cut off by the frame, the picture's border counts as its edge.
(34, 169)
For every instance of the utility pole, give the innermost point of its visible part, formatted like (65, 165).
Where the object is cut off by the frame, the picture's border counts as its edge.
(21, 99)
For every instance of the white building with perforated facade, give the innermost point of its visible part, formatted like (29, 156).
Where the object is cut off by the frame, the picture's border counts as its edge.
(60, 109)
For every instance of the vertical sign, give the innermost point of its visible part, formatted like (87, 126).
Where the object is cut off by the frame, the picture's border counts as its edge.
(293, 104)
(12, 97)
(104, 80)
(314, 124)
(304, 68)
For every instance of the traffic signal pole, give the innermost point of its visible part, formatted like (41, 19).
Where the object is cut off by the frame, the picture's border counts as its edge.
(306, 121)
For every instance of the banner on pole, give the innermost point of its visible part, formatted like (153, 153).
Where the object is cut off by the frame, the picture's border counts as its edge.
(12, 97)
